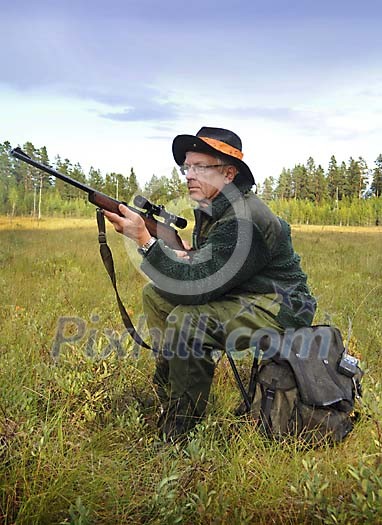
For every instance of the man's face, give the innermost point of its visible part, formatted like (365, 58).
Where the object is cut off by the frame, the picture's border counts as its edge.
(207, 185)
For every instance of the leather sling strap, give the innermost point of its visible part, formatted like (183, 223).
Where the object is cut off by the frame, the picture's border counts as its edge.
(107, 259)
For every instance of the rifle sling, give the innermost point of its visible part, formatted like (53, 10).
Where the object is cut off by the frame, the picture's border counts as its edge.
(107, 259)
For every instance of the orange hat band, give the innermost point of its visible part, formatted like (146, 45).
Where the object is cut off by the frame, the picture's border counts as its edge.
(223, 147)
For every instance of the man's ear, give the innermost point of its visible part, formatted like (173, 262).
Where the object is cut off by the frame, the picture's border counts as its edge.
(230, 174)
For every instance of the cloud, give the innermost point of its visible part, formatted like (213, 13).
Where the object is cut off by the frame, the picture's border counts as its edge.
(269, 113)
(320, 121)
(371, 93)
(309, 121)
(112, 52)
(144, 111)
(200, 9)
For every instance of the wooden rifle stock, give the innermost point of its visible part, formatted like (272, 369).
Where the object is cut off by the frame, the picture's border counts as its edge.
(158, 229)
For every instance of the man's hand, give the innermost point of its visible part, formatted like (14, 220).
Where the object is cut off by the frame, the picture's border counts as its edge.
(131, 224)
(183, 254)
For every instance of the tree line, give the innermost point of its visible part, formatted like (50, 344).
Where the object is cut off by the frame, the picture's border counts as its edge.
(25, 190)
(346, 193)
(312, 183)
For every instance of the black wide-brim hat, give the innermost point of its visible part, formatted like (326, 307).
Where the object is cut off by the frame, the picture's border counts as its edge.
(212, 141)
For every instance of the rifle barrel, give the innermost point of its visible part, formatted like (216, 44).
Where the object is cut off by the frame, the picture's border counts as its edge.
(19, 154)
(156, 228)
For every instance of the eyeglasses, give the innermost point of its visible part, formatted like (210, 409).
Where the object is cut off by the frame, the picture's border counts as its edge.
(199, 169)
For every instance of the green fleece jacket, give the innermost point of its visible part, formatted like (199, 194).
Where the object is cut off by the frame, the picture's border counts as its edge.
(239, 247)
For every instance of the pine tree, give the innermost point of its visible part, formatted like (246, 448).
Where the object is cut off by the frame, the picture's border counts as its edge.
(158, 189)
(45, 181)
(284, 185)
(151, 187)
(77, 173)
(13, 199)
(30, 174)
(376, 185)
(308, 188)
(363, 176)
(95, 179)
(111, 186)
(356, 178)
(299, 182)
(7, 179)
(333, 178)
(31, 180)
(132, 184)
(320, 184)
(177, 186)
(268, 189)
(43, 157)
(67, 191)
(342, 181)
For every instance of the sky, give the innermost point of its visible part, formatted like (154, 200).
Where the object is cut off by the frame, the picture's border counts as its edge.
(109, 84)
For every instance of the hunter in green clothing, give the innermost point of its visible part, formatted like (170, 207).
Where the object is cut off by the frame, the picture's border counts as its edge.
(240, 278)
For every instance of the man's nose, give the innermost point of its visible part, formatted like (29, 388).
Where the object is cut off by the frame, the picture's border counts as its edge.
(190, 173)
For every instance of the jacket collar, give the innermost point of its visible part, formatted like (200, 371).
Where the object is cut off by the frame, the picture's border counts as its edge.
(224, 199)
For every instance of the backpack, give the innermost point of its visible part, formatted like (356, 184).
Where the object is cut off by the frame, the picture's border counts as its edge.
(307, 388)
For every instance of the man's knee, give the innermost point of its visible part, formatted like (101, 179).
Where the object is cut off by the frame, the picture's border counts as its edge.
(190, 315)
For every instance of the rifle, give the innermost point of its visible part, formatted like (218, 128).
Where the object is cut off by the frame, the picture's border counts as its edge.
(159, 229)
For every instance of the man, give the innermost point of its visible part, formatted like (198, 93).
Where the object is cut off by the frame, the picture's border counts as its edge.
(242, 276)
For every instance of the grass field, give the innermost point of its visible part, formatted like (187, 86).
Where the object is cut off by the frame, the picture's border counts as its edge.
(76, 444)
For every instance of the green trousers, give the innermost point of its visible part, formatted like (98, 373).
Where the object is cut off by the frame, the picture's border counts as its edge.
(186, 336)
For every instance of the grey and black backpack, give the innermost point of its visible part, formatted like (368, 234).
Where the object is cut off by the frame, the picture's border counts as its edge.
(307, 387)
